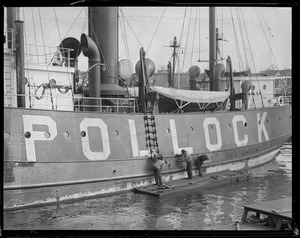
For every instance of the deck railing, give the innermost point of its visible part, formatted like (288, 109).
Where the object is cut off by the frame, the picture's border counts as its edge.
(60, 101)
(76, 103)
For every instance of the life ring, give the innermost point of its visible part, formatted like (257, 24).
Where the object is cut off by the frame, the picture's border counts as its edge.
(280, 101)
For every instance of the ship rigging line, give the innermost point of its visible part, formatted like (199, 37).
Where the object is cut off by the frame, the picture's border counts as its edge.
(34, 31)
(51, 97)
(60, 39)
(156, 29)
(125, 38)
(26, 61)
(186, 43)
(242, 36)
(240, 61)
(266, 38)
(132, 30)
(74, 22)
(262, 101)
(199, 31)
(194, 36)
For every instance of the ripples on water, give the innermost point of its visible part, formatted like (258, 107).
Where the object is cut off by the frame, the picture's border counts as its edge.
(196, 210)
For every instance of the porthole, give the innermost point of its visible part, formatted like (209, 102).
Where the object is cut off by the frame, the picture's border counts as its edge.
(258, 122)
(116, 133)
(279, 118)
(168, 130)
(6, 135)
(245, 124)
(47, 134)
(27, 134)
(66, 134)
(83, 133)
(211, 127)
(267, 121)
(229, 125)
(191, 128)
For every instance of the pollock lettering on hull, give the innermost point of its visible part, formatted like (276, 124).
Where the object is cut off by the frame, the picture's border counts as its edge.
(28, 122)
(94, 155)
(176, 148)
(134, 141)
(241, 137)
(261, 126)
(212, 121)
(235, 120)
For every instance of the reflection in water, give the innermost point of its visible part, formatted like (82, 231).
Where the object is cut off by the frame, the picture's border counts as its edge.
(238, 199)
(213, 211)
(262, 191)
(196, 210)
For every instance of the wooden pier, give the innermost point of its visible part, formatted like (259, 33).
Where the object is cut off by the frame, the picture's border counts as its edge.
(198, 182)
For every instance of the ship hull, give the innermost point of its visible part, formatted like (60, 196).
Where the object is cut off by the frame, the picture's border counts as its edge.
(58, 156)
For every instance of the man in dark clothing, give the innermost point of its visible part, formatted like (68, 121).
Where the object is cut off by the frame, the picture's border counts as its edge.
(157, 167)
(199, 161)
(187, 158)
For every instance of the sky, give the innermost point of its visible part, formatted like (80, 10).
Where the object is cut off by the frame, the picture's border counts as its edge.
(266, 40)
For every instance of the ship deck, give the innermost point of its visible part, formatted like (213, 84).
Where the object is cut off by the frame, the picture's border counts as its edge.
(198, 182)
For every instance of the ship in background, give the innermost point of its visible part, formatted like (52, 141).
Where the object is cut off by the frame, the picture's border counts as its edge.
(62, 143)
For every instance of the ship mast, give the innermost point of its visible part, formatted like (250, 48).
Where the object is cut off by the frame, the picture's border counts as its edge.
(212, 48)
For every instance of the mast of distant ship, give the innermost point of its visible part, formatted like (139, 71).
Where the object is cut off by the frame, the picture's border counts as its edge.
(212, 48)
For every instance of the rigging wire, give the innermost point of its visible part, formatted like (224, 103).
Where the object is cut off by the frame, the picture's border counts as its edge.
(267, 38)
(199, 31)
(194, 36)
(60, 39)
(222, 56)
(240, 61)
(132, 30)
(252, 59)
(156, 29)
(45, 57)
(74, 22)
(26, 61)
(123, 29)
(85, 21)
(180, 39)
(242, 36)
(34, 33)
(186, 42)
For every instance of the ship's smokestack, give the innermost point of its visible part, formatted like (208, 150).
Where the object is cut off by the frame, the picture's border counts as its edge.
(90, 50)
(103, 29)
(19, 26)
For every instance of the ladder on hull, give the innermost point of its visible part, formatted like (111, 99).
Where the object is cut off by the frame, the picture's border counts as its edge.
(151, 133)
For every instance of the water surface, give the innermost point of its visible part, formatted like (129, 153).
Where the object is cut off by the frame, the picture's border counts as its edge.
(196, 210)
